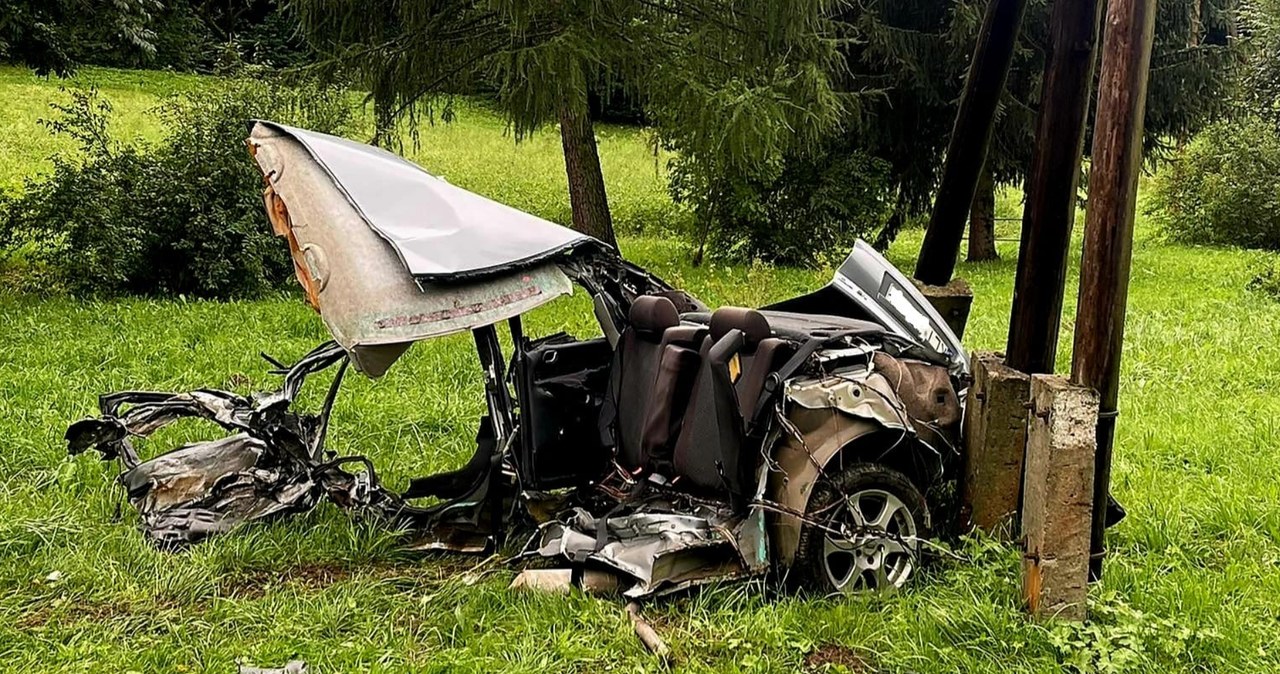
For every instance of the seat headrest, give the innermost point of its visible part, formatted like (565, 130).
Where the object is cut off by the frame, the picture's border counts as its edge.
(752, 323)
(651, 315)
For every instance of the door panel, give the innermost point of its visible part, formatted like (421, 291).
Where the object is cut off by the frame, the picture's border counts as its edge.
(561, 384)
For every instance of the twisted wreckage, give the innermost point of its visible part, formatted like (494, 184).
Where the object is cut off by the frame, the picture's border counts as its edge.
(812, 438)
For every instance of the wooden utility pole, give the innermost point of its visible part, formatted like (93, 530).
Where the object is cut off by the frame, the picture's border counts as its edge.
(1108, 245)
(1051, 186)
(970, 137)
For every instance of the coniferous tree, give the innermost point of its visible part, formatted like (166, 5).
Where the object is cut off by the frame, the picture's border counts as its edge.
(739, 82)
(904, 64)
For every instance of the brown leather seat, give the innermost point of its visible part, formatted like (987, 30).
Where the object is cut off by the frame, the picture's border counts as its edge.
(677, 372)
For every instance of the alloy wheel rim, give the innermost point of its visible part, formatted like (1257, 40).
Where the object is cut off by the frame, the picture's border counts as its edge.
(876, 547)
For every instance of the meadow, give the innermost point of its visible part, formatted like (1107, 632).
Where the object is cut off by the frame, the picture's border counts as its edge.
(1192, 580)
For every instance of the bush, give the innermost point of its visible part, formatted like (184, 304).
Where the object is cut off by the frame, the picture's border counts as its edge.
(1266, 278)
(1223, 188)
(183, 216)
(795, 214)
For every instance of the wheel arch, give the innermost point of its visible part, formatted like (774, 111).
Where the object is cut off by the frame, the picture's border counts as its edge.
(832, 440)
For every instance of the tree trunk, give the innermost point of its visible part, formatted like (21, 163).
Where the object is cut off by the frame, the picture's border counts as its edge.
(587, 196)
(982, 221)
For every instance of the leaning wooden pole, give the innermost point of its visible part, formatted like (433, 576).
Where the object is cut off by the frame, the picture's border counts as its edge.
(1108, 233)
(1049, 214)
(970, 137)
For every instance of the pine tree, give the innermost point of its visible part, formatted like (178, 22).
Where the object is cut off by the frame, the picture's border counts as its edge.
(737, 83)
(905, 62)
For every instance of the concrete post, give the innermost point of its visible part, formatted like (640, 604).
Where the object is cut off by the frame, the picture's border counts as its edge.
(952, 301)
(1057, 497)
(995, 443)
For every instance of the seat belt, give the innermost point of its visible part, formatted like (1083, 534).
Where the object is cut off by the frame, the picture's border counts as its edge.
(773, 383)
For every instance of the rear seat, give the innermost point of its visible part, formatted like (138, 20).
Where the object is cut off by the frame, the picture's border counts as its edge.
(713, 451)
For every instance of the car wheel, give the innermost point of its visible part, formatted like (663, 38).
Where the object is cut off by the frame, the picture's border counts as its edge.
(864, 531)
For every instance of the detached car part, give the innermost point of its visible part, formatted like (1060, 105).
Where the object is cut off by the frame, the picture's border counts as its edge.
(812, 437)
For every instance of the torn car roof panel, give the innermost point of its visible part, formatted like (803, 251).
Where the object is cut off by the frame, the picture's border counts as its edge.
(439, 231)
(353, 276)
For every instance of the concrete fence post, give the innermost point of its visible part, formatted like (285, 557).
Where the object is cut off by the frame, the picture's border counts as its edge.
(995, 443)
(1057, 497)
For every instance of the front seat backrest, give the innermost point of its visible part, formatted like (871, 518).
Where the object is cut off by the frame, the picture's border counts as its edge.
(706, 453)
(710, 453)
(677, 373)
(632, 376)
(761, 353)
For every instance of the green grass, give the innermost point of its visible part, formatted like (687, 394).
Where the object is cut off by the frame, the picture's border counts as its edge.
(1191, 584)
(25, 146)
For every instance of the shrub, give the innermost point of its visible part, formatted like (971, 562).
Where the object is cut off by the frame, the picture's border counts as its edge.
(183, 216)
(1266, 278)
(796, 213)
(1223, 188)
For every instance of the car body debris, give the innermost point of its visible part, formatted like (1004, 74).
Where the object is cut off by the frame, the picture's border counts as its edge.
(291, 667)
(812, 439)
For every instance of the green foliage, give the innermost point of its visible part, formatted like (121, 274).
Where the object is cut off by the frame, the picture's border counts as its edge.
(57, 36)
(1266, 278)
(1120, 638)
(807, 207)
(732, 85)
(52, 36)
(1224, 187)
(269, 36)
(903, 67)
(180, 217)
(1260, 20)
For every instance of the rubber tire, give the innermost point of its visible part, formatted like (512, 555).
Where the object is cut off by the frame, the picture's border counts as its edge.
(807, 570)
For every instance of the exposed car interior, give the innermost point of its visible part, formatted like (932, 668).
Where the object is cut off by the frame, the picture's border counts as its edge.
(681, 446)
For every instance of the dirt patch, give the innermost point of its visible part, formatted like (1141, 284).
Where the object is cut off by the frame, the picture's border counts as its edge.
(837, 658)
(255, 583)
(90, 611)
(33, 620)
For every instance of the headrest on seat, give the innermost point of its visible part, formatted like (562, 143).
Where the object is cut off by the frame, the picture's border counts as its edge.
(752, 323)
(651, 315)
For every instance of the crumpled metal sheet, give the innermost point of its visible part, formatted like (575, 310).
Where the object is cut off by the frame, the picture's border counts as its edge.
(273, 464)
(660, 551)
(867, 395)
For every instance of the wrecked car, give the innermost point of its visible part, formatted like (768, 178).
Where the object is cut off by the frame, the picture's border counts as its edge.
(815, 439)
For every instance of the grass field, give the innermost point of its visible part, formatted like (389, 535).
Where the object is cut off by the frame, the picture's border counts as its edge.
(1192, 584)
